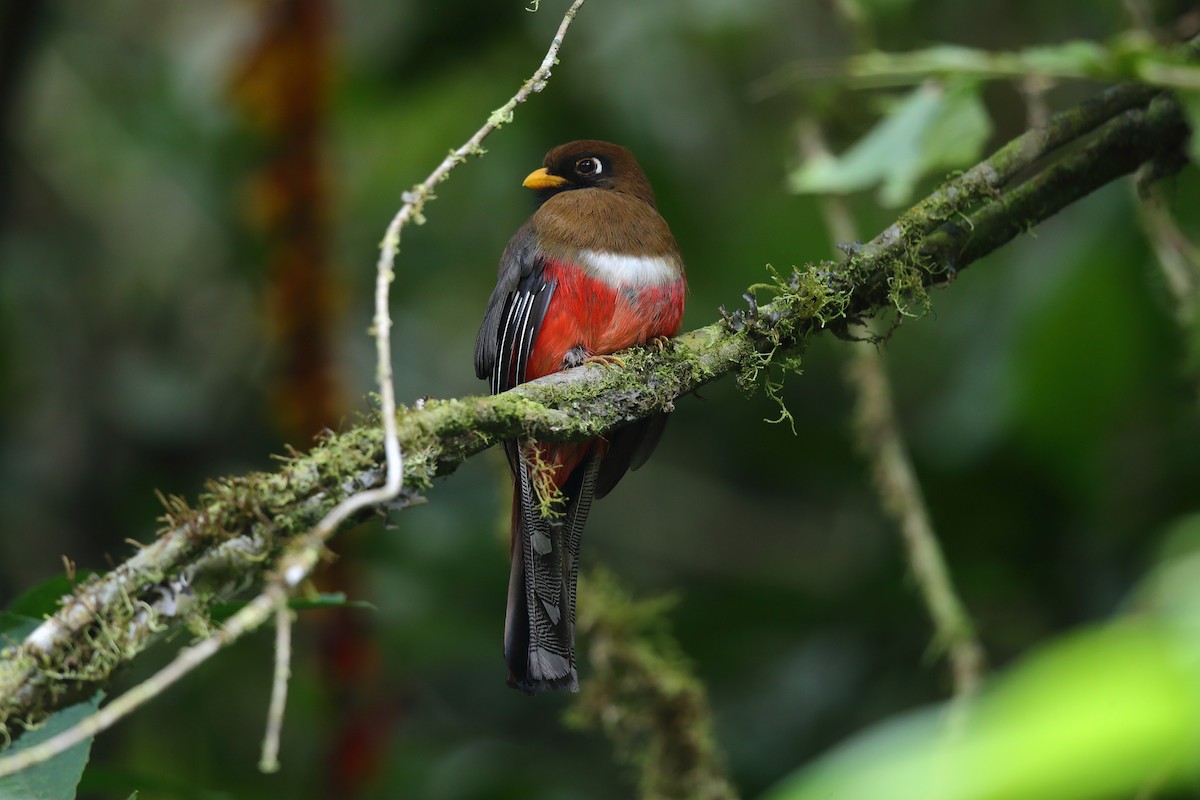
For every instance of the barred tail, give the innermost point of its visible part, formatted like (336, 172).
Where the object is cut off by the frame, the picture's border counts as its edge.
(539, 625)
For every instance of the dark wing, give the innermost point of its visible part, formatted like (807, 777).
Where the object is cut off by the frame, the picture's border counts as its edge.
(514, 314)
(629, 448)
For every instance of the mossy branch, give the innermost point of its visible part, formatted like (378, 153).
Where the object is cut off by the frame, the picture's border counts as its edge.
(231, 540)
(641, 692)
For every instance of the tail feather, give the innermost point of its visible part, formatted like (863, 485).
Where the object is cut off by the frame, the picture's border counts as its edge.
(576, 518)
(539, 628)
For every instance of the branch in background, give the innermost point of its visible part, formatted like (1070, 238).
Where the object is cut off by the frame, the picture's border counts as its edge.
(896, 482)
(1179, 262)
(1178, 257)
(1132, 56)
(243, 526)
(882, 443)
(642, 694)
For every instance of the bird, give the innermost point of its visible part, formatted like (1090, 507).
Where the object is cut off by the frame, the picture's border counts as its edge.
(593, 271)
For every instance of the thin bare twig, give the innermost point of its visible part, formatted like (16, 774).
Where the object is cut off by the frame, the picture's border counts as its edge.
(1178, 257)
(1179, 262)
(898, 487)
(269, 762)
(301, 557)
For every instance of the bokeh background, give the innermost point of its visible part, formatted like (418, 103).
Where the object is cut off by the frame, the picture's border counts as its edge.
(191, 198)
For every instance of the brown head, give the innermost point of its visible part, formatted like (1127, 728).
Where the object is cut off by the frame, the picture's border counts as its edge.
(590, 164)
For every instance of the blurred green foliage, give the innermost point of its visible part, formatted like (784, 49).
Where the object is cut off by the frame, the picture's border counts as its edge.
(1047, 398)
(1110, 713)
(933, 129)
(1113, 711)
(57, 778)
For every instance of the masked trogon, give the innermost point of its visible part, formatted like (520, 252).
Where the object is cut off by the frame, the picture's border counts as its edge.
(593, 271)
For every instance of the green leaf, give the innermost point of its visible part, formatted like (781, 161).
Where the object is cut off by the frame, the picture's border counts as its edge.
(1171, 590)
(889, 151)
(223, 611)
(43, 598)
(958, 133)
(933, 129)
(57, 778)
(328, 600)
(15, 627)
(1106, 713)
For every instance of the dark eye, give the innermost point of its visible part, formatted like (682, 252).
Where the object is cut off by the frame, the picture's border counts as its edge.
(588, 166)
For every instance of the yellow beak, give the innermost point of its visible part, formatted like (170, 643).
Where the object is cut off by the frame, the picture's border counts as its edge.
(541, 179)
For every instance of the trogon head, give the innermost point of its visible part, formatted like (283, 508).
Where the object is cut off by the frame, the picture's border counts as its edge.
(590, 164)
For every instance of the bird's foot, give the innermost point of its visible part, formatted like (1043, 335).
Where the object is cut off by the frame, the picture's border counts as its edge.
(660, 343)
(605, 360)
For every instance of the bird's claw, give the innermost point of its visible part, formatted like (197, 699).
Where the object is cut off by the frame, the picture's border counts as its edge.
(605, 360)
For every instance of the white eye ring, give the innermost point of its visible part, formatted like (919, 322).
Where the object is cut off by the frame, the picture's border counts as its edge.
(597, 166)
